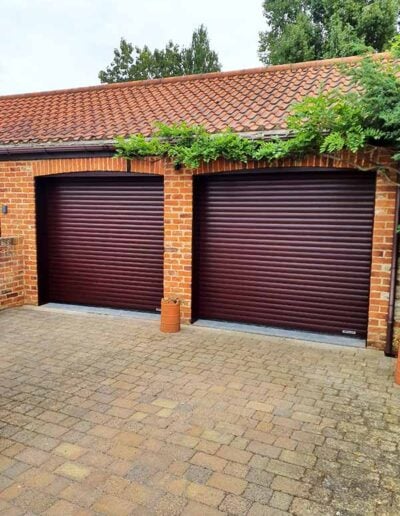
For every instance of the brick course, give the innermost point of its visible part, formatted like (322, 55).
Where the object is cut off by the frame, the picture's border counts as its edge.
(17, 187)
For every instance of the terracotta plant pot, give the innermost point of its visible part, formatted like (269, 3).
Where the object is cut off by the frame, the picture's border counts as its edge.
(397, 373)
(170, 316)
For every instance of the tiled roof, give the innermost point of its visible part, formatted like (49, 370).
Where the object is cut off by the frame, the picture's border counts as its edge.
(247, 101)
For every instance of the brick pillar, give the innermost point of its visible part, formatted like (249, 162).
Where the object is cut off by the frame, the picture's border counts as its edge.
(382, 248)
(178, 222)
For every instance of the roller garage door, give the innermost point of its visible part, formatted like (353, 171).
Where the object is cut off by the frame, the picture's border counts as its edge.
(285, 249)
(101, 241)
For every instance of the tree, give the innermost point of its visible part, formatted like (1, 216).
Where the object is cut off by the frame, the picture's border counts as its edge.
(199, 58)
(133, 63)
(302, 30)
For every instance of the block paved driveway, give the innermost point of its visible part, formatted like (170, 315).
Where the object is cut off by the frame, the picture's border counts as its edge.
(105, 415)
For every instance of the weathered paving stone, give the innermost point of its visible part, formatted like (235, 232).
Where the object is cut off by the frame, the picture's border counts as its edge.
(285, 469)
(257, 493)
(106, 415)
(5, 463)
(227, 483)
(261, 436)
(236, 470)
(257, 476)
(232, 454)
(264, 449)
(260, 406)
(290, 486)
(258, 509)
(122, 451)
(69, 451)
(170, 504)
(299, 459)
(301, 507)
(208, 461)
(141, 494)
(66, 508)
(217, 437)
(32, 456)
(237, 505)
(281, 500)
(112, 505)
(36, 478)
(198, 474)
(199, 509)
(30, 500)
(205, 494)
(16, 469)
(79, 495)
(74, 471)
(164, 403)
(5, 482)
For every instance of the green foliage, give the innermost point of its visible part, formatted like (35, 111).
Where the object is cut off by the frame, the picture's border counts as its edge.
(380, 96)
(187, 145)
(302, 30)
(133, 63)
(328, 122)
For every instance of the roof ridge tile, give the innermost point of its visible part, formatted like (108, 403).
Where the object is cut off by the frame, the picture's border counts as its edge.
(322, 63)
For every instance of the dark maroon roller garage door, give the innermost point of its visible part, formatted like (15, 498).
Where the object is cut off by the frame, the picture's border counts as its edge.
(101, 241)
(285, 249)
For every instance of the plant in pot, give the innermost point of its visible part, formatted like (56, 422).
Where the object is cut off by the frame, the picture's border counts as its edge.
(170, 315)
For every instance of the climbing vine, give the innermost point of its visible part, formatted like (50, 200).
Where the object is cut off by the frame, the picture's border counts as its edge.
(366, 117)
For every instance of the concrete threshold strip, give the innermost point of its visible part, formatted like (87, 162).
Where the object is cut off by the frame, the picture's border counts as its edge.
(320, 338)
(219, 325)
(114, 312)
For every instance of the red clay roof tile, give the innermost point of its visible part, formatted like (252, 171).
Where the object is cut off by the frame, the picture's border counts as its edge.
(247, 100)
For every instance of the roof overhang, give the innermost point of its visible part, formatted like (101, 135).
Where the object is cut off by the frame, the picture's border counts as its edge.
(16, 149)
(51, 149)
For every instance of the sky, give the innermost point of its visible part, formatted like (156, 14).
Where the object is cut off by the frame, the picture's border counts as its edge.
(54, 44)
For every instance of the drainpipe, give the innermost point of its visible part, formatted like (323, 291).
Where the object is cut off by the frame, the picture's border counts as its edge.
(393, 280)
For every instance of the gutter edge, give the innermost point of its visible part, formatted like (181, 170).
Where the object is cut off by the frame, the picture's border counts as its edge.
(107, 145)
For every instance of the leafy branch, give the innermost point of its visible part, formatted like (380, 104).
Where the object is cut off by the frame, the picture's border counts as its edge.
(367, 117)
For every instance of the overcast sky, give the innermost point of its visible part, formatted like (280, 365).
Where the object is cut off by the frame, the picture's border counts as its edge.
(51, 44)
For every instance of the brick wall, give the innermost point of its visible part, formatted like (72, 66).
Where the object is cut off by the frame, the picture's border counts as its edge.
(18, 192)
(11, 273)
